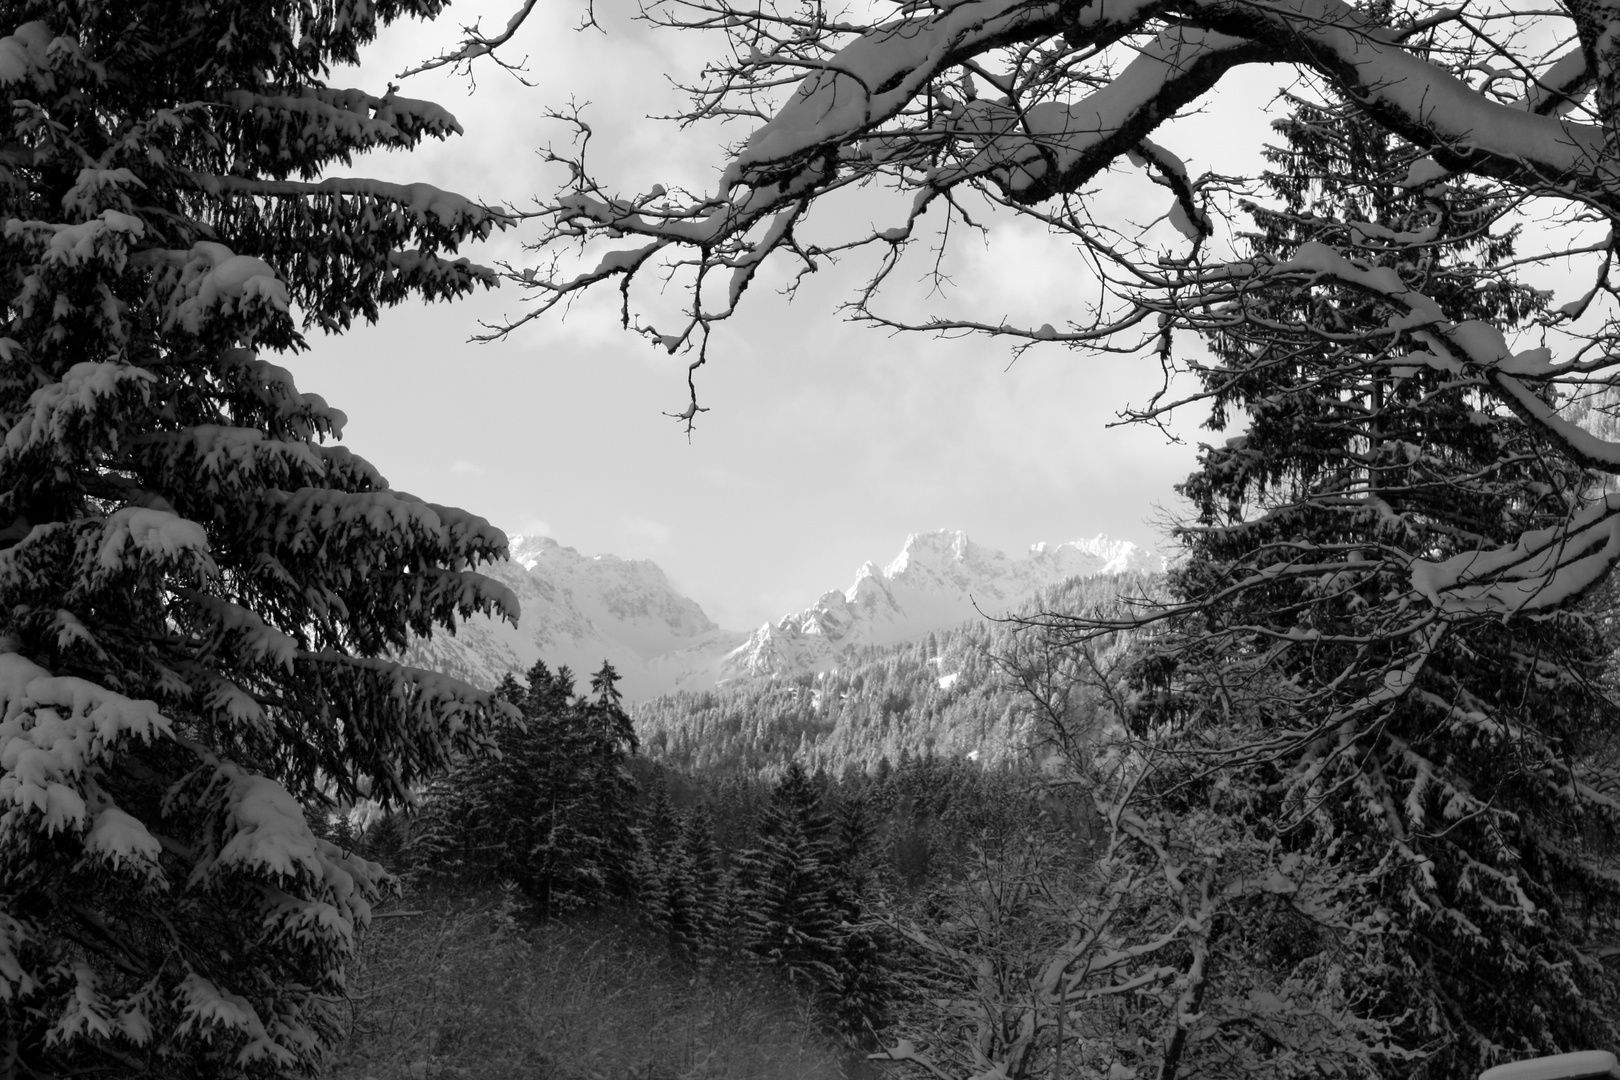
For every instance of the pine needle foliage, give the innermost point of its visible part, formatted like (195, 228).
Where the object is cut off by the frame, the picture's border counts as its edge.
(199, 587)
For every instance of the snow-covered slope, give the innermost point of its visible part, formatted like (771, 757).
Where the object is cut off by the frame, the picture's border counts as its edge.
(940, 579)
(581, 609)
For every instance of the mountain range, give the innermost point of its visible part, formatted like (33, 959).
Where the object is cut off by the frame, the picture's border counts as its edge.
(578, 610)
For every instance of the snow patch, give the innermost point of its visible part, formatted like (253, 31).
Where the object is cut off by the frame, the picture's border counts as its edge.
(156, 534)
(122, 840)
(23, 51)
(1576, 1066)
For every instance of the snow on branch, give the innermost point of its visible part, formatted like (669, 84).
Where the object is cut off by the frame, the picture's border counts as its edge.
(1052, 147)
(1543, 569)
(1023, 102)
(54, 730)
(475, 44)
(445, 210)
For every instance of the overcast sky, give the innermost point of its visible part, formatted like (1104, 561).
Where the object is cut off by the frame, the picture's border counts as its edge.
(826, 443)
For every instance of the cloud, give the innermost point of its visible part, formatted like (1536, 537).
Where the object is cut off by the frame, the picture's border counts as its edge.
(655, 532)
(828, 442)
(532, 526)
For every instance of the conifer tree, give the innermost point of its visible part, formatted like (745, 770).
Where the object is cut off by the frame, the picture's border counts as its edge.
(864, 985)
(609, 786)
(687, 925)
(656, 864)
(552, 810)
(787, 886)
(199, 587)
(708, 875)
(467, 816)
(1441, 766)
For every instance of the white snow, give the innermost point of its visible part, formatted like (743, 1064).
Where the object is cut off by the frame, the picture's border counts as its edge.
(256, 637)
(839, 99)
(269, 830)
(421, 200)
(52, 730)
(579, 610)
(86, 1012)
(121, 839)
(23, 51)
(1185, 225)
(939, 580)
(1423, 172)
(86, 189)
(207, 1006)
(157, 534)
(75, 244)
(216, 280)
(1582, 1064)
(1542, 569)
(56, 406)
(355, 114)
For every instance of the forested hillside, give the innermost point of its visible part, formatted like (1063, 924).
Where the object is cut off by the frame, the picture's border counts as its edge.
(947, 694)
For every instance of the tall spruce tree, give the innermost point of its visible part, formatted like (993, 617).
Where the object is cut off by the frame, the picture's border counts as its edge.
(864, 986)
(1438, 759)
(709, 884)
(786, 883)
(198, 587)
(609, 787)
(661, 884)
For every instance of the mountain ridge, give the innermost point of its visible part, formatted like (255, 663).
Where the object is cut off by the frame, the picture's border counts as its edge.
(938, 580)
(578, 610)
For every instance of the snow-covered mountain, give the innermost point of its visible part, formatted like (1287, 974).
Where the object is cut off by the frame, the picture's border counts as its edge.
(581, 609)
(941, 579)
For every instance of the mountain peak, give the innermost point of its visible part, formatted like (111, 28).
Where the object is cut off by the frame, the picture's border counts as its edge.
(940, 579)
(580, 609)
(933, 549)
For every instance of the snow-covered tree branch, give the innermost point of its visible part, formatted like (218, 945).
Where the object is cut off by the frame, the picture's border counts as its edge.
(201, 588)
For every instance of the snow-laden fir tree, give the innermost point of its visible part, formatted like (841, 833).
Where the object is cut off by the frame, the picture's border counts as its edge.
(1443, 767)
(865, 983)
(199, 587)
(786, 883)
